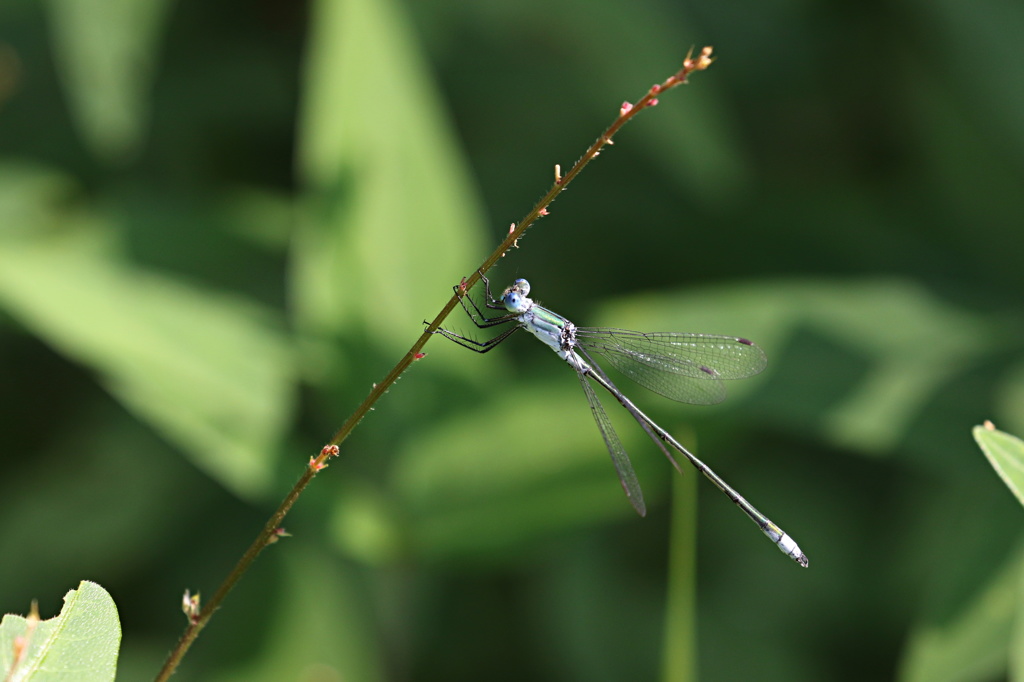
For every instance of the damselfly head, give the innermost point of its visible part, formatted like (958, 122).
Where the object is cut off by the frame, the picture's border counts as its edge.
(516, 298)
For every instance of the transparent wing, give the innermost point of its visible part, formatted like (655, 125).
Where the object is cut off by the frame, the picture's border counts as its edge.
(683, 367)
(620, 459)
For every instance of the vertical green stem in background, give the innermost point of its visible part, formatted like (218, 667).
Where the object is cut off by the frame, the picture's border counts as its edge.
(679, 659)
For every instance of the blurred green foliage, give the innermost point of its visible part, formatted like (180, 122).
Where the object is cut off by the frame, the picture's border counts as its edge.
(221, 222)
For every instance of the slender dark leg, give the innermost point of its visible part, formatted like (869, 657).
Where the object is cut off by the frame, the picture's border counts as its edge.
(479, 318)
(474, 345)
(491, 302)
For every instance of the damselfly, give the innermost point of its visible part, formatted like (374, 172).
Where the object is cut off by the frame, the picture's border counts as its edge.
(687, 368)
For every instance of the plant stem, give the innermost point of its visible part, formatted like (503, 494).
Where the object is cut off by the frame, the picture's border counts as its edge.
(270, 532)
(679, 649)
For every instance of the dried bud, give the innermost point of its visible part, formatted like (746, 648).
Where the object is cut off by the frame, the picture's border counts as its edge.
(277, 535)
(190, 606)
(705, 59)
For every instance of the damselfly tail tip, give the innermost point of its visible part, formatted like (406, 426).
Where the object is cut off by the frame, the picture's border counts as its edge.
(786, 544)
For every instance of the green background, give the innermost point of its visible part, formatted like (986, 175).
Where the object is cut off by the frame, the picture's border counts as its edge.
(220, 223)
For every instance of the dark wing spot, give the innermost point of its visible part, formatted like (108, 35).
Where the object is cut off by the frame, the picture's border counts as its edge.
(708, 370)
(745, 342)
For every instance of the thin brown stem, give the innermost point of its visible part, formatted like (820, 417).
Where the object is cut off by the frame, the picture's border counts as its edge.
(270, 531)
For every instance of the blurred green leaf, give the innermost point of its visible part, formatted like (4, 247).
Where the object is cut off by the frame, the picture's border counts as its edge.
(526, 462)
(92, 476)
(1006, 455)
(702, 154)
(28, 196)
(80, 644)
(106, 51)
(1010, 402)
(261, 217)
(392, 216)
(317, 624)
(913, 340)
(974, 645)
(212, 372)
(364, 523)
(989, 92)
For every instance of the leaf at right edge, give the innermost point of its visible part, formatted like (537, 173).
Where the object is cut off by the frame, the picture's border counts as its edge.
(81, 643)
(1006, 455)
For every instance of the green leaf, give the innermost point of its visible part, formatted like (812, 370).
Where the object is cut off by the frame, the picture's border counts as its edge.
(701, 154)
(106, 52)
(526, 463)
(972, 646)
(212, 372)
(1006, 455)
(392, 215)
(912, 341)
(316, 623)
(80, 644)
(996, 25)
(28, 194)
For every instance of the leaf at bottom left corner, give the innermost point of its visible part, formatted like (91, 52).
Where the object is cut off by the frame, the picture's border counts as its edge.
(80, 644)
